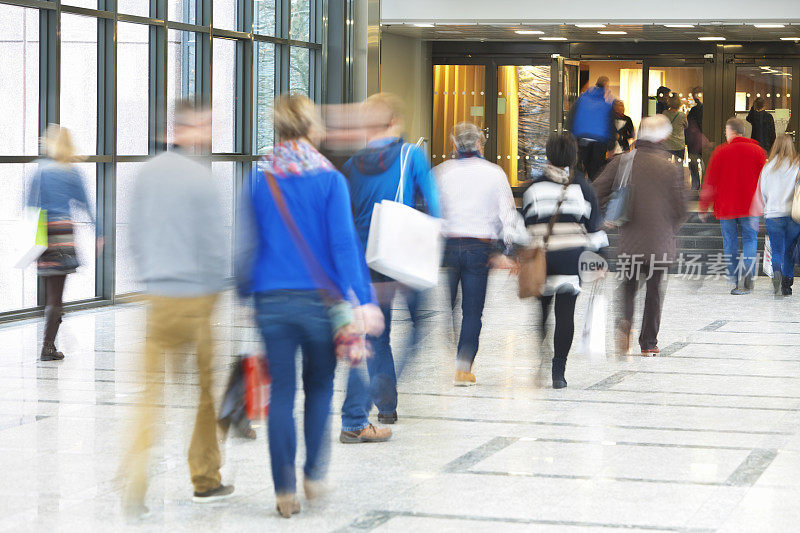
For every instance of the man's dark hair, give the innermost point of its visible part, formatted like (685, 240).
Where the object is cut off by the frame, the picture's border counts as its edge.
(759, 103)
(736, 124)
(663, 91)
(562, 149)
(602, 81)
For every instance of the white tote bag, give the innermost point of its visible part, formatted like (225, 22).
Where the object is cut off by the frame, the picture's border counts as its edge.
(404, 244)
(767, 263)
(593, 338)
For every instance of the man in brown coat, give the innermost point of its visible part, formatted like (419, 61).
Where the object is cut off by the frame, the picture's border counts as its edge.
(647, 240)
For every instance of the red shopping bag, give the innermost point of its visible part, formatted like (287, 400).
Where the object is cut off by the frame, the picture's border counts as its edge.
(257, 383)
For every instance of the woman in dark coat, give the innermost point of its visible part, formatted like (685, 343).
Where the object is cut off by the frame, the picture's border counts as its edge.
(763, 125)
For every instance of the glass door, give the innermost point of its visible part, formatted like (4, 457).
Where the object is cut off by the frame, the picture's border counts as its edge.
(523, 120)
(459, 95)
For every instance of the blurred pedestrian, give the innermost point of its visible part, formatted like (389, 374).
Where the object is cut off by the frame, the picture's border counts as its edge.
(676, 142)
(177, 237)
(576, 229)
(57, 187)
(374, 175)
(481, 225)
(624, 128)
(763, 124)
(777, 185)
(695, 140)
(662, 96)
(296, 278)
(591, 121)
(656, 212)
(730, 185)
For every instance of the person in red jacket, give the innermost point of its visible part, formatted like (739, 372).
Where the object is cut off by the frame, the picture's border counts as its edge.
(730, 184)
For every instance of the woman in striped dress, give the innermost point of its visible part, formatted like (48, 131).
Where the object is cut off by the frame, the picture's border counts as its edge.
(577, 228)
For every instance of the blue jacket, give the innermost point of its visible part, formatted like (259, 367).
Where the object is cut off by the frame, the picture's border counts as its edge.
(58, 188)
(591, 116)
(374, 175)
(267, 258)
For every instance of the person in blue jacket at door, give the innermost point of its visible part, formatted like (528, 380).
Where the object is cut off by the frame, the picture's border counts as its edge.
(374, 176)
(591, 121)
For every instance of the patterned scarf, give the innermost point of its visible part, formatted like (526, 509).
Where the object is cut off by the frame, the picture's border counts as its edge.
(293, 158)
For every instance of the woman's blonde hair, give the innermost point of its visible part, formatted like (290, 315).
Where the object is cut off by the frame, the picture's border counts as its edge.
(783, 151)
(296, 117)
(57, 145)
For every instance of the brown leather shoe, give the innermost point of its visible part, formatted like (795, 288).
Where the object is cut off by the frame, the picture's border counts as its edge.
(368, 434)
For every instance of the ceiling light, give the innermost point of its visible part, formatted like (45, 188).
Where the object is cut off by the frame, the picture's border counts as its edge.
(679, 25)
(769, 25)
(590, 25)
(423, 25)
(790, 38)
(766, 67)
(553, 38)
(615, 32)
(529, 32)
(711, 38)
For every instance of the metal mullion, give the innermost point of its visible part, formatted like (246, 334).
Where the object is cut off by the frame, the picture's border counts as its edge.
(203, 51)
(96, 13)
(106, 147)
(34, 4)
(185, 26)
(157, 90)
(137, 19)
(230, 34)
(244, 97)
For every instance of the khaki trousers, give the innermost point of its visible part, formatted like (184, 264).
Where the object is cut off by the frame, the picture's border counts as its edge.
(174, 324)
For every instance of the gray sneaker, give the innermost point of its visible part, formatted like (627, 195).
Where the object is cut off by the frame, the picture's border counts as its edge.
(214, 495)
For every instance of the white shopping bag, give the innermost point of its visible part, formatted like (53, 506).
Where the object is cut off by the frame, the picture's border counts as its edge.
(32, 236)
(767, 264)
(593, 338)
(403, 243)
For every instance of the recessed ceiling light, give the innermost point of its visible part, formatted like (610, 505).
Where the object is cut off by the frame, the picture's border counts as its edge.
(769, 25)
(790, 38)
(423, 25)
(529, 32)
(615, 32)
(553, 38)
(766, 67)
(711, 38)
(679, 25)
(590, 25)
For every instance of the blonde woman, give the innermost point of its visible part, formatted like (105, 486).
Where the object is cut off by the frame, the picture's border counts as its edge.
(776, 183)
(57, 187)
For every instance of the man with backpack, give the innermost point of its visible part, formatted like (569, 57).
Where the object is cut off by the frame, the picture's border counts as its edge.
(591, 121)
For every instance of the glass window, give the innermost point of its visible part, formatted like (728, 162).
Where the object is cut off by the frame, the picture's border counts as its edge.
(134, 7)
(132, 89)
(773, 85)
(301, 20)
(224, 172)
(81, 285)
(79, 80)
(224, 14)
(19, 84)
(125, 274)
(264, 19)
(182, 10)
(299, 74)
(17, 287)
(223, 117)
(523, 119)
(181, 47)
(91, 4)
(265, 94)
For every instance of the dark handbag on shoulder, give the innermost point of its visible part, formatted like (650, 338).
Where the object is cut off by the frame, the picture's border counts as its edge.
(350, 346)
(619, 203)
(532, 275)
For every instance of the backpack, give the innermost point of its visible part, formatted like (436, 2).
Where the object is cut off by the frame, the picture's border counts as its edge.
(591, 117)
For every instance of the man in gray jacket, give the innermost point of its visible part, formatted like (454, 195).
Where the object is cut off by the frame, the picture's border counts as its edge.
(177, 239)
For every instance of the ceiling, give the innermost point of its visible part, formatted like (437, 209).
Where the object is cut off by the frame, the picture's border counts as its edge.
(634, 32)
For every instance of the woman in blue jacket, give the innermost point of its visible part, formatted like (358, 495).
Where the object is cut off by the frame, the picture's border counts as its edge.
(287, 284)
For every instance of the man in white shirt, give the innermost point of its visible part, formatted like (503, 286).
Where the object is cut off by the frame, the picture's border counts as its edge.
(481, 225)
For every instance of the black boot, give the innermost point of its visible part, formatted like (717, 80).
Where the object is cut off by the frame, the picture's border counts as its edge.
(786, 286)
(559, 365)
(777, 277)
(49, 353)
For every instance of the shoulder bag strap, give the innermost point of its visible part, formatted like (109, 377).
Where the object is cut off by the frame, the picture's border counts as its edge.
(398, 197)
(554, 218)
(330, 293)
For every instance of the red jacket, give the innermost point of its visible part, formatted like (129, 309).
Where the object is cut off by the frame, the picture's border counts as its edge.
(731, 179)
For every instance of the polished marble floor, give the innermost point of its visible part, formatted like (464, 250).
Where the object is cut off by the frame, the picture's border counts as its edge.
(705, 437)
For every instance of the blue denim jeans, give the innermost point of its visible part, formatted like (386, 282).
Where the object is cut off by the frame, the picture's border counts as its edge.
(290, 320)
(378, 384)
(467, 262)
(744, 264)
(783, 232)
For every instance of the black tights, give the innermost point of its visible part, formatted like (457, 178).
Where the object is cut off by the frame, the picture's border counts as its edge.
(54, 292)
(565, 322)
